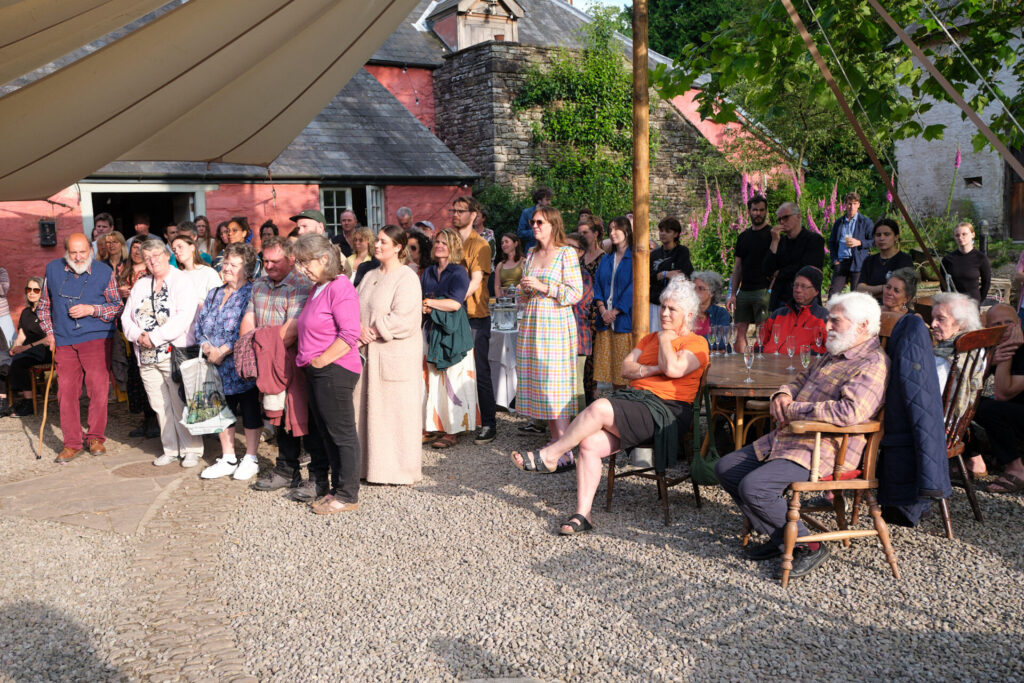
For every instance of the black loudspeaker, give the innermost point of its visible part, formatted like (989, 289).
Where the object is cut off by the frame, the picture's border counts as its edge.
(47, 233)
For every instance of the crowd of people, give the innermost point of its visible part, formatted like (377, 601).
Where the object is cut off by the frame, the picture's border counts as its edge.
(335, 340)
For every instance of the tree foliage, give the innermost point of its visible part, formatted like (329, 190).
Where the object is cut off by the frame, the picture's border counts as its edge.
(762, 55)
(673, 24)
(585, 130)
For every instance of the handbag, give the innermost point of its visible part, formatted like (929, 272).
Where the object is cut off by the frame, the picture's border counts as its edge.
(206, 411)
(702, 468)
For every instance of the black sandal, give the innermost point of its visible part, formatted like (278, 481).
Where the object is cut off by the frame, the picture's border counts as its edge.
(577, 524)
(531, 462)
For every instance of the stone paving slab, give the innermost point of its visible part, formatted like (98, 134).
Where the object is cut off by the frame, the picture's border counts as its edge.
(112, 493)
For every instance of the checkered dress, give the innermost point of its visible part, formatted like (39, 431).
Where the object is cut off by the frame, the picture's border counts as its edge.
(547, 341)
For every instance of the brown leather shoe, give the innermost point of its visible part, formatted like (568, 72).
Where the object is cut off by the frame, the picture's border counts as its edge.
(67, 455)
(96, 447)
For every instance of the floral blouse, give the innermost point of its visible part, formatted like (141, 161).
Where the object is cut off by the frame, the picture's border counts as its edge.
(217, 326)
(153, 311)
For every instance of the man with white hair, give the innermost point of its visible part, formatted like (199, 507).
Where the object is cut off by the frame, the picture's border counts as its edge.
(844, 387)
(404, 218)
(78, 311)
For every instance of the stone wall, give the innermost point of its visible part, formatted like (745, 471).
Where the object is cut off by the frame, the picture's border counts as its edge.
(474, 91)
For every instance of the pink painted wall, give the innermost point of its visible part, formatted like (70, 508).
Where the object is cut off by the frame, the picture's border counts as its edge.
(258, 203)
(20, 252)
(413, 87)
(428, 203)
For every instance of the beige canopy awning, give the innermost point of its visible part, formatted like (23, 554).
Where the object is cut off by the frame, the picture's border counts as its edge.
(212, 80)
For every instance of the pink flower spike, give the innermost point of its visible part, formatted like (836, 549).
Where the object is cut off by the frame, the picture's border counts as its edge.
(718, 196)
(694, 230)
(744, 188)
(796, 184)
(888, 196)
(821, 203)
(810, 222)
(707, 199)
(956, 162)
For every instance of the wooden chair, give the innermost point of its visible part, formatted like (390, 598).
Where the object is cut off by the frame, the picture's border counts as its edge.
(972, 352)
(664, 481)
(860, 481)
(37, 382)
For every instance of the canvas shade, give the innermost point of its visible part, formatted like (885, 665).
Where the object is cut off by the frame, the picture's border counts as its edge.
(213, 80)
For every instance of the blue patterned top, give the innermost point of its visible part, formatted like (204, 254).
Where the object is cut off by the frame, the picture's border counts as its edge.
(218, 326)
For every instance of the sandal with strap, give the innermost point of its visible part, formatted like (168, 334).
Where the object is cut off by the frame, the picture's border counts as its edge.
(531, 462)
(1007, 483)
(446, 441)
(577, 524)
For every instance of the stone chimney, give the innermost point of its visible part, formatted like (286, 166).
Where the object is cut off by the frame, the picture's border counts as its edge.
(464, 23)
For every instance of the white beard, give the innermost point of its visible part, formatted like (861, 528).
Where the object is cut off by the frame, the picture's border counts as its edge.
(78, 269)
(839, 343)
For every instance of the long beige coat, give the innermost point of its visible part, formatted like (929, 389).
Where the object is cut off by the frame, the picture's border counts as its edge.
(389, 395)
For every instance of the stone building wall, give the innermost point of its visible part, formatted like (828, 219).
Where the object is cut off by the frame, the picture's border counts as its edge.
(473, 93)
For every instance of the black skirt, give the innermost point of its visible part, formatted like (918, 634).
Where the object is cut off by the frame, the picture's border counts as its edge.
(635, 424)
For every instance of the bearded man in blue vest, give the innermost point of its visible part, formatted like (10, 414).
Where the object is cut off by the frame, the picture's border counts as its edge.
(78, 312)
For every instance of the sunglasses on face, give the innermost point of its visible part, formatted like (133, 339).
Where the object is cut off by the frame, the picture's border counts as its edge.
(32, 289)
(536, 222)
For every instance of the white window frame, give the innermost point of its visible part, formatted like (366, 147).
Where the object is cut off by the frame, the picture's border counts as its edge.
(333, 228)
(374, 207)
(87, 189)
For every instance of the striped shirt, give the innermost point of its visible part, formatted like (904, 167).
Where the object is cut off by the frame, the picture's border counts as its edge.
(842, 390)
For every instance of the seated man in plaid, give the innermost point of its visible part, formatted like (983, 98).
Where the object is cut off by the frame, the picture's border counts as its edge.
(844, 387)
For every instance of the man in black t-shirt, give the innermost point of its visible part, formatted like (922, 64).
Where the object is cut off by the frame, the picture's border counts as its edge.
(748, 287)
(1002, 416)
(791, 249)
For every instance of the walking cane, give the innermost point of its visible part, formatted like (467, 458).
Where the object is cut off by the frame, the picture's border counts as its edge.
(46, 405)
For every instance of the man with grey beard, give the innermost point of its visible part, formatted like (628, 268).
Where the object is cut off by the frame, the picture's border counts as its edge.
(78, 311)
(844, 387)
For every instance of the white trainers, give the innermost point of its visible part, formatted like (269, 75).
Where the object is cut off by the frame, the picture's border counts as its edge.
(246, 469)
(165, 459)
(190, 460)
(222, 468)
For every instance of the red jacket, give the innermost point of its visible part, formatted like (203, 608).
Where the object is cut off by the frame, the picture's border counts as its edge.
(277, 373)
(806, 325)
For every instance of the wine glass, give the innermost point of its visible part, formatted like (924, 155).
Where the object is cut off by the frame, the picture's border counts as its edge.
(732, 338)
(712, 334)
(819, 338)
(748, 361)
(790, 350)
(759, 340)
(775, 337)
(805, 355)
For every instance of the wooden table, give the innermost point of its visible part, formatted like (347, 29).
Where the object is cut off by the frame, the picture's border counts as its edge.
(726, 380)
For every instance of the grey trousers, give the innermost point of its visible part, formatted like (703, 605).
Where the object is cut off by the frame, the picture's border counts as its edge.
(757, 488)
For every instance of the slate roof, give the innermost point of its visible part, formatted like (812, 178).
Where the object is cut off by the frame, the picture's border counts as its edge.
(409, 46)
(364, 134)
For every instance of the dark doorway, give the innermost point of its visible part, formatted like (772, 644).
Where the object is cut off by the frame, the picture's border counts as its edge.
(162, 208)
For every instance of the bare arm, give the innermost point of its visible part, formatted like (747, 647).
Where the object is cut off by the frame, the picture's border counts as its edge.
(674, 364)
(336, 350)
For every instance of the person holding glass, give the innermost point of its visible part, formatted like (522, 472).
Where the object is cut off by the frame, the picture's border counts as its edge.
(78, 313)
(711, 318)
(613, 297)
(801, 320)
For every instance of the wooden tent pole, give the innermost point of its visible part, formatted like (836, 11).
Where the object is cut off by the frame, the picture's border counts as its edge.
(865, 143)
(641, 175)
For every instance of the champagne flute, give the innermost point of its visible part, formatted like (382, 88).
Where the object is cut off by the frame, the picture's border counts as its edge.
(760, 340)
(819, 338)
(775, 338)
(748, 361)
(805, 355)
(712, 333)
(790, 350)
(732, 338)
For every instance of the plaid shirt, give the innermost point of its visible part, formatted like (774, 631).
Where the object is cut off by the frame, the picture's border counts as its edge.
(107, 312)
(584, 312)
(842, 390)
(275, 304)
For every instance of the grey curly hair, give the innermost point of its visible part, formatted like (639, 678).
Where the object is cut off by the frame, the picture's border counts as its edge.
(714, 282)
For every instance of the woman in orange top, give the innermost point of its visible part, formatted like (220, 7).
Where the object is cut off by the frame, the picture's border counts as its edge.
(668, 364)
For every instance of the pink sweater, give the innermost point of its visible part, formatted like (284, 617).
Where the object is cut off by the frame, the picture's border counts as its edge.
(333, 314)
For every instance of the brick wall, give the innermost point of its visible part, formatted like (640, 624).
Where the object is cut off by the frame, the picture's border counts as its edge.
(258, 203)
(428, 203)
(474, 91)
(413, 87)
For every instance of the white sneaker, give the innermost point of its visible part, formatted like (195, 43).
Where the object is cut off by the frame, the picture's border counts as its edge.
(190, 460)
(222, 468)
(165, 459)
(246, 469)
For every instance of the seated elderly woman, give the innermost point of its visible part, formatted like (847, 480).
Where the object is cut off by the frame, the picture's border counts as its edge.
(709, 287)
(952, 315)
(665, 370)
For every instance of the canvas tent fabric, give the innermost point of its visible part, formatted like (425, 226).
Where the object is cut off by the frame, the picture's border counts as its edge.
(211, 80)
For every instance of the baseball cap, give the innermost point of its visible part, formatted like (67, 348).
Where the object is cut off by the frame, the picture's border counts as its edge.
(310, 213)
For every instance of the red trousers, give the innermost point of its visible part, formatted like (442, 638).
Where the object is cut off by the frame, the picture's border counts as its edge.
(88, 361)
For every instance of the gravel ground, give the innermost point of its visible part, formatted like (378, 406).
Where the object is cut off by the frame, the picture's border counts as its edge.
(463, 576)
